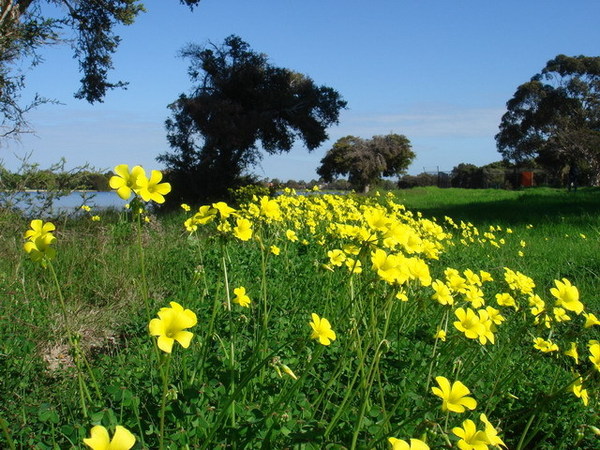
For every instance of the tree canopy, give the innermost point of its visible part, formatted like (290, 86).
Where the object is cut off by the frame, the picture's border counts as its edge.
(555, 117)
(28, 25)
(239, 100)
(365, 161)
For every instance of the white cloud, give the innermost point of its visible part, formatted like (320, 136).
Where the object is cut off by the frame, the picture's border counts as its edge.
(425, 121)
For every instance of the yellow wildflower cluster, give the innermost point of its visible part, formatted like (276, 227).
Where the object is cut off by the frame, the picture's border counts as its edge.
(126, 182)
(39, 240)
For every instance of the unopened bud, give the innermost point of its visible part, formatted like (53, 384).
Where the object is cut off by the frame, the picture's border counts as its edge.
(289, 372)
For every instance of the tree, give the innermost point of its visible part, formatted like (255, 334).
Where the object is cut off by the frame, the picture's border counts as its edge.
(555, 117)
(240, 99)
(364, 161)
(28, 25)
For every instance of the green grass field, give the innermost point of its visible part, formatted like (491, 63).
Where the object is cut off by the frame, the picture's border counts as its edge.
(445, 289)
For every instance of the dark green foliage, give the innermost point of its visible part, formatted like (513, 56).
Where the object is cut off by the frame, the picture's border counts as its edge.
(422, 179)
(239, 99)
(365, 161)
(25, 27)
(555, 117)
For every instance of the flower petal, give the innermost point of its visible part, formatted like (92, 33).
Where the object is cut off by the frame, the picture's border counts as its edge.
(165, 343)
(184, 338)
(99, 439)
(156, 327)
(123, 439)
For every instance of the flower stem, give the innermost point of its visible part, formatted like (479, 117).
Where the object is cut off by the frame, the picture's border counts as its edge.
(163, 406)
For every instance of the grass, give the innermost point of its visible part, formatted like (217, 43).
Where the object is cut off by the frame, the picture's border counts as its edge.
(254, 377)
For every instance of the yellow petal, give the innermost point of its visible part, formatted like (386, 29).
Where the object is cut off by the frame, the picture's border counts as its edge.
(122, 170)
(156, 327)
(165, 344)
(122, 440)
(98, 439)
(184, 338)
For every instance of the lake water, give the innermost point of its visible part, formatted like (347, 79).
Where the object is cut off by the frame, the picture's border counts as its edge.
(33, 202)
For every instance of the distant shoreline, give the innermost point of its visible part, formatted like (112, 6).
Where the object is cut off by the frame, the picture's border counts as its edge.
(47, 190)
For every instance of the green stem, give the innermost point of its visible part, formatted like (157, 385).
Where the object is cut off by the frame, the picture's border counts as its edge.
(232, 331)
(142, 264)
(163, 406)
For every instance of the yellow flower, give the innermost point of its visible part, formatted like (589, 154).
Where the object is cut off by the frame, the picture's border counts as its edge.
(442, 293)
(100, 440)
(224, 209)
(321, 330)
(544, 346)
(595, 355)
(86, 208)
(243, 229)
(572, 352)
(270, 208)
(505, 299)
(470, 436)
(38, 228)
(171, 325)
(275, 250)
(485, 276)
(39, 241)
(469, 323)
(560, 315)
(494, 315)
(291, 235)
(567, 296)
(241, 298)
(454, 397)
(124, 182)
(415, 444)
(440, 334)
(336, 257)
(590, 320)
(152, 188)
(491, 433)
(579, 391)
(95, 218)
(186, 207)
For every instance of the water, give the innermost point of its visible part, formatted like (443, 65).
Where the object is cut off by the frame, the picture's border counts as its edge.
(36, 203)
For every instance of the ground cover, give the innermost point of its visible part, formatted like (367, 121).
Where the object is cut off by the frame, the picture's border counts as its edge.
(318, 321)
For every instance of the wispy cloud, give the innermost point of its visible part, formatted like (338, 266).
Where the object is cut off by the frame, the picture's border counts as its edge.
(424, 121)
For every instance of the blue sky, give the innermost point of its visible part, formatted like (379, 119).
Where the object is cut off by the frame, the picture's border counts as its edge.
(438, 71)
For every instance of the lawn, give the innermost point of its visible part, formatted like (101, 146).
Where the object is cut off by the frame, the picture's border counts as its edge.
(455, 317)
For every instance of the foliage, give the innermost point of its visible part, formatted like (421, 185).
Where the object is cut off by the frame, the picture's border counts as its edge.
(246, 194)
(555, 117)
(28, 25)
(239, 100)
(420, 180)
(364, 161)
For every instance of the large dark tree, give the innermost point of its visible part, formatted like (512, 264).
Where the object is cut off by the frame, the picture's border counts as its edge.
(240, 100)
(365, 161)
(28, 25)
(555, 117)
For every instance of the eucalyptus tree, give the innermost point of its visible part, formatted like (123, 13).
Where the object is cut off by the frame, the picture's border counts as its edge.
(554, 117)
